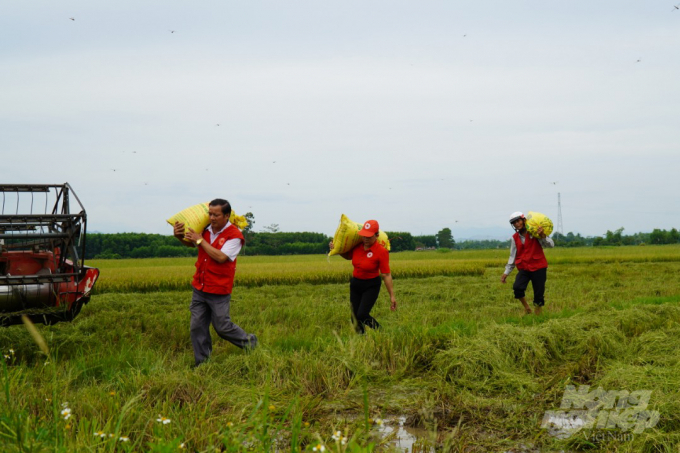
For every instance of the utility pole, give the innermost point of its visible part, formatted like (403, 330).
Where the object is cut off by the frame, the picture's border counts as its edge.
(560, 227)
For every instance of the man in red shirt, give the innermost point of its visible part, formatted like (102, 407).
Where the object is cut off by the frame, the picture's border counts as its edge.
(527, 254)
(371, 263)
(218, 246)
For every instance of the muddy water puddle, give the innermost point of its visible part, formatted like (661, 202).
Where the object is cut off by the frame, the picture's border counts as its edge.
(405, 438)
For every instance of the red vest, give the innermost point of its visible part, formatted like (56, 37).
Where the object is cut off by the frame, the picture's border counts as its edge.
(211, 276)
(530, 256)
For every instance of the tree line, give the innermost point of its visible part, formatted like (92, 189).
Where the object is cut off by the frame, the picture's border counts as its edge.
(142, 245)
(134, 245)
(617, 238)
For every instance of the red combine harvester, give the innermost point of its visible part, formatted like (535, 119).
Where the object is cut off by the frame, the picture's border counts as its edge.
(42, 271)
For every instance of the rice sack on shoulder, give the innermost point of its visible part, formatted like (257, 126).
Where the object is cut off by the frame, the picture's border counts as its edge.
(197, 217)
(536, 220)
(347, 237)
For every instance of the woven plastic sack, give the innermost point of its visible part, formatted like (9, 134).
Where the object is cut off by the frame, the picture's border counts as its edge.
(347, 237)
(197, 218)
(535, 220)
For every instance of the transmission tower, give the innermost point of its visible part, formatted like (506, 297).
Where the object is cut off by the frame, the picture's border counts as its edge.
(560, 227)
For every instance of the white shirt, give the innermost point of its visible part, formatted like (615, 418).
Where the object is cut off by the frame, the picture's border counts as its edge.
(231, 248)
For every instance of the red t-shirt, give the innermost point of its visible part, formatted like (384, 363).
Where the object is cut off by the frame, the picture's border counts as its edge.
(370, 263)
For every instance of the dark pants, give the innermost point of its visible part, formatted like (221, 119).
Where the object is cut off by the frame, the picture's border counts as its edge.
(537, 279)
(209, 308)
(363, 294)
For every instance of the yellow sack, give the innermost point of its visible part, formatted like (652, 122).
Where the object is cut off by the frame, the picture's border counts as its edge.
(197, 218)
(535, 220)
(347, 237)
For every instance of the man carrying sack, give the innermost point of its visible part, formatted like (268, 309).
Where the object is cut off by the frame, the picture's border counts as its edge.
(218, 246)
(527, 254)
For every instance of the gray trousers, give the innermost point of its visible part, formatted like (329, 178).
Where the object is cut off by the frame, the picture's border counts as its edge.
(209, 308)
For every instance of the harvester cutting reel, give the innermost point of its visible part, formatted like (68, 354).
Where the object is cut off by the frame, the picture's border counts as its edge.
(42, 254)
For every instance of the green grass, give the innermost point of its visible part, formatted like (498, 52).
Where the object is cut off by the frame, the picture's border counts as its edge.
(456, 358)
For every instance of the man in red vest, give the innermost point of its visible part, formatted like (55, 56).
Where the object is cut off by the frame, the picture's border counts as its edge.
(218, 246)
(527, 254)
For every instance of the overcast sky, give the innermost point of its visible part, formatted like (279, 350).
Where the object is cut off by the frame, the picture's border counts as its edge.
(422, 115)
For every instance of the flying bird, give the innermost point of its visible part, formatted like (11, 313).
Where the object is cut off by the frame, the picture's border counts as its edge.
(72, 18)
(676, 7)
(554, 183)
(171, 31)
(639, 60)
(217, 124)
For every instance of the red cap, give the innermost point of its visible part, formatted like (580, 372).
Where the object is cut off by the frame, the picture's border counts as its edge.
(369, 229)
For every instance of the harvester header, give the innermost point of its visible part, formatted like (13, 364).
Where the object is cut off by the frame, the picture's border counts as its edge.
(42, 253)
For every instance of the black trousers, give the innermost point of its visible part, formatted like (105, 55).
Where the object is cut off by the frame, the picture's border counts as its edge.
(363, 294)
(537, 279)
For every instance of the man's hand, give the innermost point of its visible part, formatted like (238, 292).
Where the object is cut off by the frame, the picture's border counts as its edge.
(192, 236)
(330, 245)
(540, 232)
(178, 230)
(393, 304)
(504, 277)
